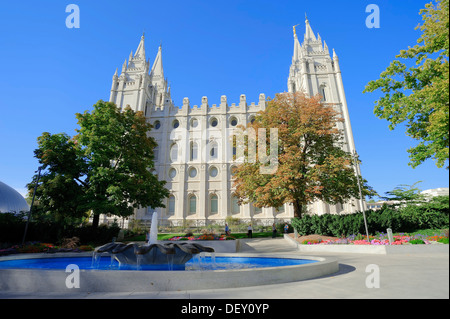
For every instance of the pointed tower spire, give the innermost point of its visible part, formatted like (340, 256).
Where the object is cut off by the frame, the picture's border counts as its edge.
(309, 34)
(140, 51)
(297, 48)
(334, 55)
(157, 68)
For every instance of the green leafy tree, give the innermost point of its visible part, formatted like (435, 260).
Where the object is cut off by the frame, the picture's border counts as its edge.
(106, 168)
(59, 197)
(406, 194)
(419, 95)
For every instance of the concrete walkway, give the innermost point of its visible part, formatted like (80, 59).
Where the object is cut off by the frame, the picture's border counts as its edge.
(405, 276)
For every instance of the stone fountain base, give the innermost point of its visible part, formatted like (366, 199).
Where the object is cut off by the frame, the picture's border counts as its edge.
(32, 280)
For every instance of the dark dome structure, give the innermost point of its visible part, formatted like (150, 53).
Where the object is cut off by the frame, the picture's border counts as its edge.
(11, 201)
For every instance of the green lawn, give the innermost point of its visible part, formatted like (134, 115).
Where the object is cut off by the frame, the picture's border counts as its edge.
(255, 235)
(235, 235)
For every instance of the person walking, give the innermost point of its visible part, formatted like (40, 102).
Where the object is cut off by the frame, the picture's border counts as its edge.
(227, 229)
(274, 231)
(250, 231)
(286, 228)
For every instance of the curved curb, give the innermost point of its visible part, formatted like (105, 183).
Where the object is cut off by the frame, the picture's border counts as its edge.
(32, 280)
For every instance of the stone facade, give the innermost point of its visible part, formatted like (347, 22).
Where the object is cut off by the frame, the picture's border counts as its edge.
(195, 153)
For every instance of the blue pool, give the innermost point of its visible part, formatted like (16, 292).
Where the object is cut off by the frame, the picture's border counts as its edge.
(198, 263)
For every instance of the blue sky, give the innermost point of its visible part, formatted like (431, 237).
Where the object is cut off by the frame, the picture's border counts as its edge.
(210, 48)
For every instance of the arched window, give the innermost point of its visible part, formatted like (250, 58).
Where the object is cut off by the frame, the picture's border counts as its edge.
(235, 209)
(194, 151)
(174, 153)
(194, 123)
(171, 208)
(192, 205)
(213, 151)
(323, 92)
(234, 150)
(156, 153)
(214, 208)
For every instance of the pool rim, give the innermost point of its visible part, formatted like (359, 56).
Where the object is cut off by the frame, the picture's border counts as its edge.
(53, 280)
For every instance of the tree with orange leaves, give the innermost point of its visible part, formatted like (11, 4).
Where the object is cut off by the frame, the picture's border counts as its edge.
(311, 162)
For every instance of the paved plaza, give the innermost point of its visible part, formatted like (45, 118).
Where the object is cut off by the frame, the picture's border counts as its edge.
(402, 276)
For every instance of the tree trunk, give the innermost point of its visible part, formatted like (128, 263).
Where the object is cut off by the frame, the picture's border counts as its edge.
(95, 220)
(298, 207)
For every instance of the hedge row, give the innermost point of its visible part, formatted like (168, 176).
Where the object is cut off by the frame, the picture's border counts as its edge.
(407, 219)
(12, 229)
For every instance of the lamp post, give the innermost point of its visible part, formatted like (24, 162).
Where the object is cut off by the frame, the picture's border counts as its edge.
(360, 194)
(31, 206)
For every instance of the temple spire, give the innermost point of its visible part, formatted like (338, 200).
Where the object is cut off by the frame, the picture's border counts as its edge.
(297, 48)
(334, 55)
(157, 68)
(309, 34)
(140, 51)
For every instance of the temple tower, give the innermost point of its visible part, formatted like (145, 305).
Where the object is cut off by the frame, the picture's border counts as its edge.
(314, 71)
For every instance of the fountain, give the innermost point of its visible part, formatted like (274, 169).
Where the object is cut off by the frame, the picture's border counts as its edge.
(176, 255)
(144, 268)
(153, 234)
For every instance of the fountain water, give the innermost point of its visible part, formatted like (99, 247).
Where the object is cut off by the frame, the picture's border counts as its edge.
(153, 234)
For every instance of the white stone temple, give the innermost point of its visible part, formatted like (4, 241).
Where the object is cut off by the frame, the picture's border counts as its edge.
(195, 153)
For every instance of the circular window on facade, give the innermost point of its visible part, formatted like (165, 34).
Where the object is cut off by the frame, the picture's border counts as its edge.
(213, 172)
(172, 173)
(157, 125)
(176, 124)
(192, 172)
(233, 121)
(214, 122)
(194, 123)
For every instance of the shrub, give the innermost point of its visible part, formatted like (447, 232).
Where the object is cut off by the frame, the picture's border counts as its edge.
(12, 228)
(416, 242)
(432, 215)
(70, 243)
